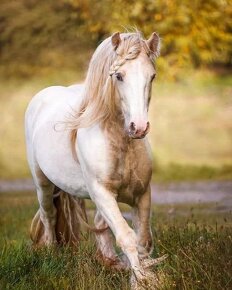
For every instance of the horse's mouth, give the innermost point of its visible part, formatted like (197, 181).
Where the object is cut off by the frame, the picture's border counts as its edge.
(137, 136)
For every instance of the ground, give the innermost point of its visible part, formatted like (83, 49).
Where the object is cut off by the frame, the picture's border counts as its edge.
(197, 236)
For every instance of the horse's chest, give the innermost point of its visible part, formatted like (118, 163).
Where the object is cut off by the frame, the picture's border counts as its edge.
(132, 172)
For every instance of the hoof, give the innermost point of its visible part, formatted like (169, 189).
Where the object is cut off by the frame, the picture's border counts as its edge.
(146, 280)
(112, 262)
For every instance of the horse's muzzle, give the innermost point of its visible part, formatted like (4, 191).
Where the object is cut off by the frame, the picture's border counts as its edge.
(137, 133)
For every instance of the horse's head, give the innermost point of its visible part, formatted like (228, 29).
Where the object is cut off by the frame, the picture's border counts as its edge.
(132, 73)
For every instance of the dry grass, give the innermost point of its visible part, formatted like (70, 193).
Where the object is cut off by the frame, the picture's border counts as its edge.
(14, 98)
(192, 121)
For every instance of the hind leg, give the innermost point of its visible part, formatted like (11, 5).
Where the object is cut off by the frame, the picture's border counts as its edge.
(105, 246)
(141, 222)
(45, 188)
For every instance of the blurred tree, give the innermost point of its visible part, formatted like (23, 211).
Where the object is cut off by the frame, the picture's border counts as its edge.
(36, 35)
(194, 33)
(197, 32)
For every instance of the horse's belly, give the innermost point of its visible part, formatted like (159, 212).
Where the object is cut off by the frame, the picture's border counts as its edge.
(70, 182)
(76, 186)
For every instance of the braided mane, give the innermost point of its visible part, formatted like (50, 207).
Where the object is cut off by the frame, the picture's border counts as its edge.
(98, 103)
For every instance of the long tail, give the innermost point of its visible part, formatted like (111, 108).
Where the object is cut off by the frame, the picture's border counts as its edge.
(71, 214)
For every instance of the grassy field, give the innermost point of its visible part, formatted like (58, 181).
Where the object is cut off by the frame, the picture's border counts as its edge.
(190, 133)
(198, 241)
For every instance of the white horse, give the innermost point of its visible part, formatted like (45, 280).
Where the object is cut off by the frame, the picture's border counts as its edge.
(102, 153)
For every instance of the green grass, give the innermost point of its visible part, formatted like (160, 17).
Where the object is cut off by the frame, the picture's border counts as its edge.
(197, 239)
(190, 124)
(59, 268)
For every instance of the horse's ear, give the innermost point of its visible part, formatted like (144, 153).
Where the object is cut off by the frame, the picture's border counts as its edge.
(115, 39)
(154, 43)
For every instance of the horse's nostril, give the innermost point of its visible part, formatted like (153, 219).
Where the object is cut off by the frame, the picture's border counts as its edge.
(132, 127)
(147, 129)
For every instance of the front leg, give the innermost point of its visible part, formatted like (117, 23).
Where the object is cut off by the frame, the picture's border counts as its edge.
(105, 246)
(141, 222)
(98, 168)
(125, 236)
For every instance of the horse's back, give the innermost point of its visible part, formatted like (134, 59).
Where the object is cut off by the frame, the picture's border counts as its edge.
(51, 98)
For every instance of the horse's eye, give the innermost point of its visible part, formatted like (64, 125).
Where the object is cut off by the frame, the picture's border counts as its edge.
(153, 77)
(119, 77)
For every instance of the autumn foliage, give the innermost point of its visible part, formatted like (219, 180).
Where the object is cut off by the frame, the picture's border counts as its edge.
(36, 35)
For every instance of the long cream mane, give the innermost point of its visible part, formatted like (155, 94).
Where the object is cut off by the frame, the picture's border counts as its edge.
(98, 103)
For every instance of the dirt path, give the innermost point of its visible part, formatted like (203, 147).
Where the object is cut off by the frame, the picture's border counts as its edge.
(16, 185)
(192, 192)
(219, 192)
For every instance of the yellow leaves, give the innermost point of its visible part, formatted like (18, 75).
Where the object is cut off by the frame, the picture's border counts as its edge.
(137, 9)
(186, 49)
(158, 17)
(201, 43)
(199, 31)
(95, 27)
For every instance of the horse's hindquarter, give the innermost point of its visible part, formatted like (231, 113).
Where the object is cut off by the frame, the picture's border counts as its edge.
(48, 142)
